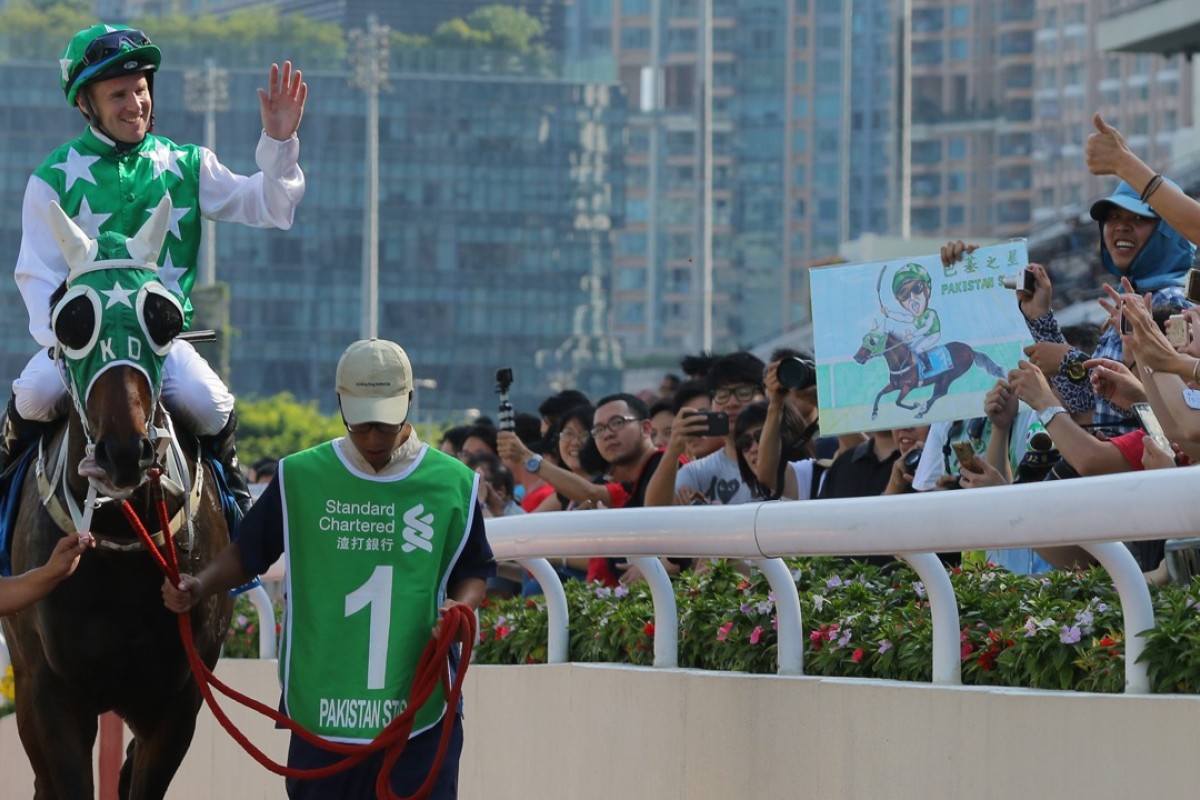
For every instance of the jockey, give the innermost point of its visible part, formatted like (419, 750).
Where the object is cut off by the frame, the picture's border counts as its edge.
(913, 288)
(109, 179)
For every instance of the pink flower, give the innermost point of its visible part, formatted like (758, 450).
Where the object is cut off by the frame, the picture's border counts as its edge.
(756, 634)
(723, 631)
(502, 631)
(858, 655)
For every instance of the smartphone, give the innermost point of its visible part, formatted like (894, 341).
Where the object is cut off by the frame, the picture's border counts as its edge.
(1125, 326)
(1145, 415)
(966, 456)
(1177, 330)
(1029, 281)
(718, 423)
(1193, 285)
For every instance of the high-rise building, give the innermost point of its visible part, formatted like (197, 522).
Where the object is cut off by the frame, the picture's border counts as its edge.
(1147, 96)
(971, 112)
(762, 135)
(498, 198)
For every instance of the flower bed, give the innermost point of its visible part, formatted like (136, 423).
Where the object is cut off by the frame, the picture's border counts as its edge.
(1060, 631)
(241, 640)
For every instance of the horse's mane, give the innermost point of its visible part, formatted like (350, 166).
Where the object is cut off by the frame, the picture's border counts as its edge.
(58, 295)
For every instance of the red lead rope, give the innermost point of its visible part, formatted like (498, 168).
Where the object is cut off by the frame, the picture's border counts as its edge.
(458, 625)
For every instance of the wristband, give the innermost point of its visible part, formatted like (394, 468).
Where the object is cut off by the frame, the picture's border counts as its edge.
(1152, 187)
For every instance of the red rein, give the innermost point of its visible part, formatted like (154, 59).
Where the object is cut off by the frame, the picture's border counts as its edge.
(458, 625)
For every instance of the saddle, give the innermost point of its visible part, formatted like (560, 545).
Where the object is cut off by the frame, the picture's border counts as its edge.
(933, 362)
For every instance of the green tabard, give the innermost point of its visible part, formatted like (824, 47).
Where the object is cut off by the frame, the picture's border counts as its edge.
(368, 559)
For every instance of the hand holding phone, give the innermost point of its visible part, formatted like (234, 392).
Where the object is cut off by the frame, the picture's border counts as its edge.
(967, 459)
(1177, 330)
(1150, 424)
(718, 423)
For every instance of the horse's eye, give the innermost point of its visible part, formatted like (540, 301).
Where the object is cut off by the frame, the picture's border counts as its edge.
(75, 322)
(162, 318)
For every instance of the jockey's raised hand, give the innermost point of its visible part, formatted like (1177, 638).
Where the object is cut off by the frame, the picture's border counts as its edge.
(282, 102)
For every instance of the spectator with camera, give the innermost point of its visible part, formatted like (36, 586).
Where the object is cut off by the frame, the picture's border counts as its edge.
(1171, 370)
(571, 481)
(787, 467)
(734, 381)
(695, 396)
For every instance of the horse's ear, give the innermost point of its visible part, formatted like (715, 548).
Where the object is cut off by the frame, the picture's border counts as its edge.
(148, 242)
(77, 247)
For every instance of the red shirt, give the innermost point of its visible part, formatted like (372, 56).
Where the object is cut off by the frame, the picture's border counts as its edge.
(1130, 445)
(534, 498)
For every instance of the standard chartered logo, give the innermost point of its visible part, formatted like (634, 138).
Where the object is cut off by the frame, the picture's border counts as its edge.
(418, 530)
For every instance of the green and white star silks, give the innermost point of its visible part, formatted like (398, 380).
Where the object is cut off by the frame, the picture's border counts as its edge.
(368, 561)
(106, 190)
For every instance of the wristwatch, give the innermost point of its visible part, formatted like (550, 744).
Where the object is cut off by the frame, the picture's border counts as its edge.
(1048, 413)
(533, 463)
(1075, 371)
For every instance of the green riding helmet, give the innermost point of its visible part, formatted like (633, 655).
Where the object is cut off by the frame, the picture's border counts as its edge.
(909, 272)
(105, 51)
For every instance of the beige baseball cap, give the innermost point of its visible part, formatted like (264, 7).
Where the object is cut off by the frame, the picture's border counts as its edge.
(374, 381)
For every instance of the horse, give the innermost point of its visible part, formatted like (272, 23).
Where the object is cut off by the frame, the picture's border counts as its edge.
(103, 640)
(905, 374)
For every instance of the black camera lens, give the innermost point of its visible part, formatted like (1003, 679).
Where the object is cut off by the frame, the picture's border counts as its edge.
(796, 373)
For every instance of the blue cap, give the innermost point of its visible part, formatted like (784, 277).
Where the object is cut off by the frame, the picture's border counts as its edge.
(1127, 198)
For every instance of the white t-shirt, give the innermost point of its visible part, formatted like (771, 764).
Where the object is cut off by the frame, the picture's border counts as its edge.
(803, 470)
(717, 477)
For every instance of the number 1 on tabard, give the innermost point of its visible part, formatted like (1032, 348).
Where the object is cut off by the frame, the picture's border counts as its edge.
(376, 593)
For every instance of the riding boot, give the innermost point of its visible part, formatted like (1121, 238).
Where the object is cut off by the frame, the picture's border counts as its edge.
(17, 435)
(222, 447)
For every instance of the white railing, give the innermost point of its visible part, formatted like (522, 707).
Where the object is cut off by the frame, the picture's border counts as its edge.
(1096, 513)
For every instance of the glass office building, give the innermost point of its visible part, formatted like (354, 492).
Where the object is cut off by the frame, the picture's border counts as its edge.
(498, 197)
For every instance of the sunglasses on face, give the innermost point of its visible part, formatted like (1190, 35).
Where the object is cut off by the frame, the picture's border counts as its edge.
(366, 427)
(746, 439)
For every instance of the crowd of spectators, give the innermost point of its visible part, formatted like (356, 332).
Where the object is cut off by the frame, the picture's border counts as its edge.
(734, 429)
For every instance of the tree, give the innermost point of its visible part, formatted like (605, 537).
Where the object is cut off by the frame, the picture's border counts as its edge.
(491, 27)
(276, 426)
(273, 427)
(508, 28)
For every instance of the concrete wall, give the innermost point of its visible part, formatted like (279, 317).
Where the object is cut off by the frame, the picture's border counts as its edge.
(578, 732)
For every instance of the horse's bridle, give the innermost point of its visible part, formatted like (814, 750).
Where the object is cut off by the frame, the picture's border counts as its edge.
(911, 354)
(61, 504)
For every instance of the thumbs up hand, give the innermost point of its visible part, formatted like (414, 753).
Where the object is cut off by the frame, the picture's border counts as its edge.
(1106, 150)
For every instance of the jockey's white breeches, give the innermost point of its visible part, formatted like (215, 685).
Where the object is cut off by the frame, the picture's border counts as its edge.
(191, 391)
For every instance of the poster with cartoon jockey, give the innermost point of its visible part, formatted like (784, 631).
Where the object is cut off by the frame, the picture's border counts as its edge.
(907, 341)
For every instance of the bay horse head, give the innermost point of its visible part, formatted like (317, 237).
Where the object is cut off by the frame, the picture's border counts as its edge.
(874, 343)
(114, 326)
